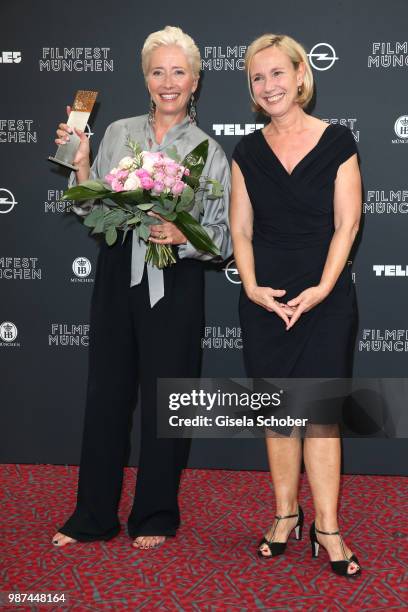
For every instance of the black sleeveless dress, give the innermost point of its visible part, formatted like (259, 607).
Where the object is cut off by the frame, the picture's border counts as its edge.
(292, 230)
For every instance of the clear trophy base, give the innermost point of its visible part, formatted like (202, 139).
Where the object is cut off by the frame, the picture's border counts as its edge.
(77, 120)
(62, 163)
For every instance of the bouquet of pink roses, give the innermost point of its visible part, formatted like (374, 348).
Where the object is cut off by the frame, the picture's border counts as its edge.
(157, 182)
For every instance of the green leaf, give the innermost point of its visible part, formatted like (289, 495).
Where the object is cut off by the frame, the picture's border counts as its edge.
(127, 197)
(186, 201)
(172, 153)
(111, 235)
(217, 189)
(195, 233)
(150, 220)
(170, 216)
(93, 185)
(125, 234)
(91, 219)
(195, 162)
(99, 226)
(79, 193)
(147, 206)
(169, 205)
(116, 216)
(144, 231)
(135, 219)
(160, 210)
(134, 146)
(125, 206)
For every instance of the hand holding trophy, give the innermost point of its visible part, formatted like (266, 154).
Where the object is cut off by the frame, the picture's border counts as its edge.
(73, 149)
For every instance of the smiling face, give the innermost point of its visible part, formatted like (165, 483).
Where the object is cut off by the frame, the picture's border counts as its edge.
(275, 81)
(170, 80)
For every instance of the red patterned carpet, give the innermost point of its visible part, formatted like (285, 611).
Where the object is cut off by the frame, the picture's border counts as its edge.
(211, 565)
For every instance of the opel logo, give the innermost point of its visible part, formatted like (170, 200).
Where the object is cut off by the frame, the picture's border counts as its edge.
(322, 56)
(231, 272)
(6, 203)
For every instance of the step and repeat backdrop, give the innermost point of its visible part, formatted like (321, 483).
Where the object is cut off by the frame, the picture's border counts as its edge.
(359, 55)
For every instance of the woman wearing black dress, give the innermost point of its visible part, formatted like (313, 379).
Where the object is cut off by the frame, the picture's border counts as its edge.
(295, 210)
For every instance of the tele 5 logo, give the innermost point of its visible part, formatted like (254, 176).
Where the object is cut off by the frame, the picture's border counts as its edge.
(10, 57)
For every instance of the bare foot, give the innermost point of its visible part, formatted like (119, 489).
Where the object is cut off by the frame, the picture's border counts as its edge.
(61, 540)
(145, 542)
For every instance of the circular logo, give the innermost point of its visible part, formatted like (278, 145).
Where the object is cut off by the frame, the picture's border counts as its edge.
(231, 272)
(322, 56)
(8, 331)
(82, 267)
(401, 126)
(6, 203)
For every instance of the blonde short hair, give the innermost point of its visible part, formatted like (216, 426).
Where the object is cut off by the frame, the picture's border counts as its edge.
(171, 36)
(296, 53)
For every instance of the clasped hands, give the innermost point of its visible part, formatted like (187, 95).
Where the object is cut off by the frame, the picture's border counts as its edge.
(292, 310)
(165, 232)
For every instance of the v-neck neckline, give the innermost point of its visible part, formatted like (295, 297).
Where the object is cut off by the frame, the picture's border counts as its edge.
(296, 166)
(169, 137)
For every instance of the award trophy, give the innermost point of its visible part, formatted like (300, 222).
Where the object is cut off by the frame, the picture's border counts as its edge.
(78, 118)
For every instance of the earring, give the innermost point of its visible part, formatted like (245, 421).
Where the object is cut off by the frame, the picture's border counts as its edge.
(192, 111)
(152, 111)
(300, 89)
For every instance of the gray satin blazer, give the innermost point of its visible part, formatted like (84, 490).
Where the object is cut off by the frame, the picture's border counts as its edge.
(184, 136)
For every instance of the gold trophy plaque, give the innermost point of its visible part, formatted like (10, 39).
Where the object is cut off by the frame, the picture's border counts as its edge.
(78, 118)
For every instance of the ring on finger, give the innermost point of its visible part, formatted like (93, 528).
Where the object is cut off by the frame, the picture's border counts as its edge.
(162, 236)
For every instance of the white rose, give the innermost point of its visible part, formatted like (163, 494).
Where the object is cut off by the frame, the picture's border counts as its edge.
(149, 159)
(132, 183)
(126, 163)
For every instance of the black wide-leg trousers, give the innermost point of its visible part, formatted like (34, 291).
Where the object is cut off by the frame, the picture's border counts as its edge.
(131, 345)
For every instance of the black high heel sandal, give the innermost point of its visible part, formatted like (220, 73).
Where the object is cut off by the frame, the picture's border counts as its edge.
(339, 567)
(278, 548)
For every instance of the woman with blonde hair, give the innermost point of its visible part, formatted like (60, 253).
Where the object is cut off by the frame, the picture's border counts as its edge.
(295, 210)
(145, 323)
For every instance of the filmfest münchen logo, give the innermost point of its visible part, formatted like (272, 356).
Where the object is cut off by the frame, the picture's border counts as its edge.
(381, 201)
(68, 334)
(7, 201)
(388, 55)
(17, 131)
(383, 340)
(8, 334)
(54, 202)
(350, 122)
(322, 56)
(76, 59)
(217, 337)
(229, 57)
(20, 268)
(82, 268)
